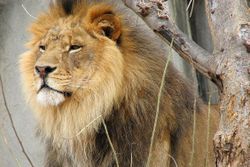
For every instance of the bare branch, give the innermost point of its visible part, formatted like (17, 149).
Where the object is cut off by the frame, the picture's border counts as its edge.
(12, 124)
(155, 14)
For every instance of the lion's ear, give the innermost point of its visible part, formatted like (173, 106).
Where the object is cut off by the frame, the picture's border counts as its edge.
(102, 20)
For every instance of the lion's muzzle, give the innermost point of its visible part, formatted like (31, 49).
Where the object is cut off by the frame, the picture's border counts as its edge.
(43, 71)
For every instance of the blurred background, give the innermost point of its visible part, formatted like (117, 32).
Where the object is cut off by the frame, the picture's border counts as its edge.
(15, 16)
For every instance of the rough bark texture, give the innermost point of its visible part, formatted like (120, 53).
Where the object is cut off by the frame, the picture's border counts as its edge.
(228, 67)
(155, 14)
(229, 23)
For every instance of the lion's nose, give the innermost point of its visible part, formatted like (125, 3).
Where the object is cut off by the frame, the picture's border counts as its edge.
(43, 71)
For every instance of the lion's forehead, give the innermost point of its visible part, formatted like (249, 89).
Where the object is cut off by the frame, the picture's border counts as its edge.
(65, 35)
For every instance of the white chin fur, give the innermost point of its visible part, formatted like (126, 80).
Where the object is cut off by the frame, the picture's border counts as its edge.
(49, 97)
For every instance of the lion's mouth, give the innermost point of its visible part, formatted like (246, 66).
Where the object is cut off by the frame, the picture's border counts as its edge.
(45, 86)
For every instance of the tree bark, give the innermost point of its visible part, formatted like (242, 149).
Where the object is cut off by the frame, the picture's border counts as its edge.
(229, 23)
(156, 16)
(228, 67)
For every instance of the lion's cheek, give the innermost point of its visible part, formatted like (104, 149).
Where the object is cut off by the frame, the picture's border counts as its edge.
(49, 98)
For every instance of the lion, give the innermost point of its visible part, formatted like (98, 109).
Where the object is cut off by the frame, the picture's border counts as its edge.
(93, 79)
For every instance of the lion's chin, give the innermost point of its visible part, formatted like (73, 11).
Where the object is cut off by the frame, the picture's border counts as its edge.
(48, 97)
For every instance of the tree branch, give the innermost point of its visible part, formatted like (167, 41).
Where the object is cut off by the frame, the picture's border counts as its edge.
(12, 124)
(155, 14)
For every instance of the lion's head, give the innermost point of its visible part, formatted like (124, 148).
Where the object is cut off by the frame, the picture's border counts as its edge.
(73, 56)
(83, 64)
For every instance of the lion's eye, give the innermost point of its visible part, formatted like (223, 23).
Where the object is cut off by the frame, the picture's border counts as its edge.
(42, 48)
(74, 48)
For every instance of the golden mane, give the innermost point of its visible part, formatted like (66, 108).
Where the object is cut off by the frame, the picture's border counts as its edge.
(87, 64)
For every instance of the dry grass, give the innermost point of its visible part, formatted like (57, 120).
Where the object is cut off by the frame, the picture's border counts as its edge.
(191, 2)
(83, 129)
(158, 103)
(110, 142)
(208, 130)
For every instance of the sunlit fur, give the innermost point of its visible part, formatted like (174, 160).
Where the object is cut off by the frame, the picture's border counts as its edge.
(115, 78)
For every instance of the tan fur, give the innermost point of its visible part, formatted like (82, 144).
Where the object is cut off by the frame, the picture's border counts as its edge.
(114, 77)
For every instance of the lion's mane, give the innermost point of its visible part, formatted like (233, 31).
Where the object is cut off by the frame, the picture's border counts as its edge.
(114, 81)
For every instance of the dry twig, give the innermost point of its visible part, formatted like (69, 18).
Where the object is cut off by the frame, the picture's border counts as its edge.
(13, 125)
(201, 59)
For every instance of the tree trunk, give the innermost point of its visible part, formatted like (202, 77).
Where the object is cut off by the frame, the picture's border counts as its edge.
(229, 23)
(228, 67)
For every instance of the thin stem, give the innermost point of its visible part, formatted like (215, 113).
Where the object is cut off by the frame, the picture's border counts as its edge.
(189, 4)
(192, 9)
(26, 11)
(110, 142)
(175, 163)
(13, 125)
(194, 115)
(208, 127)
(84, 128)
(131, 159)
(8, 147)
(193, 136)
(158, 104)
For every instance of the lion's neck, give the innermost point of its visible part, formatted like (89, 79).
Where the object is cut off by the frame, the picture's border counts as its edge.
(71, 127)
(72, 121)
(67, 131)
(76, 129)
